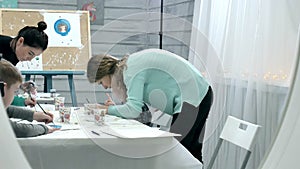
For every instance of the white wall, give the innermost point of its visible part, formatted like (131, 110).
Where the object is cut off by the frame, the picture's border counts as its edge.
(123, 32)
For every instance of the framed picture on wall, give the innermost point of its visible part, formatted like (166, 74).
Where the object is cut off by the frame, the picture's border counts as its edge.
(95, 8)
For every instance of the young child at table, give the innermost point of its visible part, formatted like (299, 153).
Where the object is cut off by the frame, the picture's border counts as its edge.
(21, 101)
(26, 87)
(10, 80)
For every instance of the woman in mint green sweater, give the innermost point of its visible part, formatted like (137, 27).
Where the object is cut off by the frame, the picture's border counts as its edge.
(159, 78)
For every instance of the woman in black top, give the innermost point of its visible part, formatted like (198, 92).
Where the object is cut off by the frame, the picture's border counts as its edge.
(31, 41)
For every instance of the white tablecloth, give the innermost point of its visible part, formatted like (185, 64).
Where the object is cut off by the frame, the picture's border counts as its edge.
(76, 147)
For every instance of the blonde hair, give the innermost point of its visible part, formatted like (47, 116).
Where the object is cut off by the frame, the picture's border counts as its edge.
(9, 73)
(102, 65)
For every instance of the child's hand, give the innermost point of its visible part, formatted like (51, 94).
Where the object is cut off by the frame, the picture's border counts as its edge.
(52, 129)
(42, 117)
(30, 102)
(109, 101)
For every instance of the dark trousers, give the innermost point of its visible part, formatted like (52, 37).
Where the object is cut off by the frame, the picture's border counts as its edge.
(191, 140)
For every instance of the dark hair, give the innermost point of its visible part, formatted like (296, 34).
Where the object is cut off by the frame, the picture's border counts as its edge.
(34, 36)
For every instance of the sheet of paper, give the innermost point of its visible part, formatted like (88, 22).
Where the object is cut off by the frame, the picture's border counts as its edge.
(35, 64)
(45, 95)
(133, 129)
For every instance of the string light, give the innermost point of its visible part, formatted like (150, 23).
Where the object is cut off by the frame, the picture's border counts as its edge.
(268, 76)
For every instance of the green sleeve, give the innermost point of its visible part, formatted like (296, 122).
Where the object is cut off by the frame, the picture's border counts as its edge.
(134, 102)
(18, 101)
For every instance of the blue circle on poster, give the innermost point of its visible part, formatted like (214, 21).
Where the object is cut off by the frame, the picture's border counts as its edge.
(62, 27)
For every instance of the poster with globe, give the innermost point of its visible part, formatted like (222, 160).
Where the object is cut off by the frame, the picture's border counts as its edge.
(63, 29)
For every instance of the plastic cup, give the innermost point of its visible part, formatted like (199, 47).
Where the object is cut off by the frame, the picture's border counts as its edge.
(99, 115)
(59, 102)
(65, 114)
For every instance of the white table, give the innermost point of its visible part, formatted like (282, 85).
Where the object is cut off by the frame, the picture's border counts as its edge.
(82, 149)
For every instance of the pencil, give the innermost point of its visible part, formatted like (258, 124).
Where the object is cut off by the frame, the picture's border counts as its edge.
(41, 107)
(95, 133)
(43, 110)
(110, 98)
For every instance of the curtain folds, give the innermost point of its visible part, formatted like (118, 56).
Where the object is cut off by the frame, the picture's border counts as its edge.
(247, 51)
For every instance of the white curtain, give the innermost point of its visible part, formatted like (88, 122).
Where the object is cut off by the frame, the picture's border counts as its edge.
(246, 48)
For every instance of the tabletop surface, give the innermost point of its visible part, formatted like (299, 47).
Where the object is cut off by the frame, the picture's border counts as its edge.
(77, 147)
